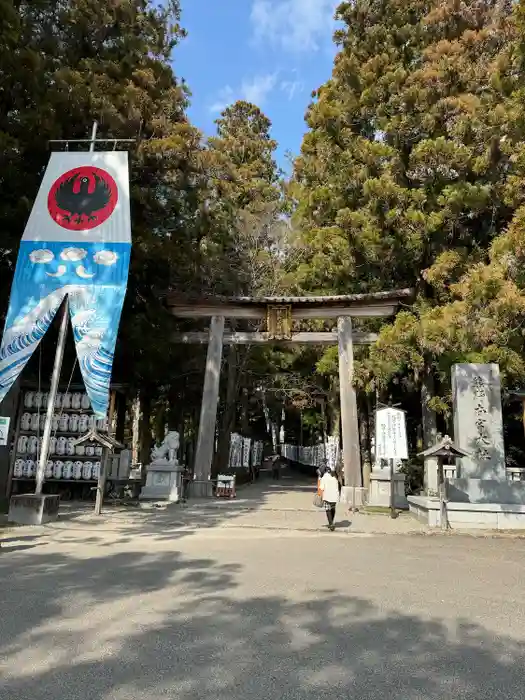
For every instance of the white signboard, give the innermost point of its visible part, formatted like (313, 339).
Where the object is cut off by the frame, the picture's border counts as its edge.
(4, 430)
(391, 434)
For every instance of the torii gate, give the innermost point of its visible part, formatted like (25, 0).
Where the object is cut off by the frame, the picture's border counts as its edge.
(279, 313)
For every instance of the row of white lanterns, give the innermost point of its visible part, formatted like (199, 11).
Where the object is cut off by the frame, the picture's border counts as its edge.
(313, 455)
(39, 399)
(63, 423)
(57, 446)
(81, 471)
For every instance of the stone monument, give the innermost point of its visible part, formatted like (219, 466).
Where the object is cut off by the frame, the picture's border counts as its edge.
(478, 424)
(480, 495)
(163, 479)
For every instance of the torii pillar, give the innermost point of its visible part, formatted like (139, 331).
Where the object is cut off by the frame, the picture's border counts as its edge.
(208, 416)
(349, 419)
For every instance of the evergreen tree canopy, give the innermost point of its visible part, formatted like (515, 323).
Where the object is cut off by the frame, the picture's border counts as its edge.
(250, 184)
(403, 175)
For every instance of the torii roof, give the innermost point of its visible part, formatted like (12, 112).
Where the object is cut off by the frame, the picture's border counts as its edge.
(343, 299)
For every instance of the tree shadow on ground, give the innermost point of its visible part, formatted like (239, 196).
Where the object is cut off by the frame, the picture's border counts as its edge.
(178, 627)
(38, 590)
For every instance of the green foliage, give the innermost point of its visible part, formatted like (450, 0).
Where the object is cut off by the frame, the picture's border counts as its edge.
(409, 175)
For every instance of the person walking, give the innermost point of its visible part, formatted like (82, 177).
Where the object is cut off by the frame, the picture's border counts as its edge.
(330, 494)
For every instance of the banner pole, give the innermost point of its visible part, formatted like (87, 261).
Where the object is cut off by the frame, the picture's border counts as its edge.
(55, 378)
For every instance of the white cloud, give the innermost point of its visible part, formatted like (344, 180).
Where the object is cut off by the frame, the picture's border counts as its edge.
(256, 90)
(224, 98)
(294, 25)
(291, 87)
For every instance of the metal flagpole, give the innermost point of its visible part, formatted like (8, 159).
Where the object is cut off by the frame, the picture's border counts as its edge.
(55, 377)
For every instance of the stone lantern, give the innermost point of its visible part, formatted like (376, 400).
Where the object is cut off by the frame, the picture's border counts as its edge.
(443, 450)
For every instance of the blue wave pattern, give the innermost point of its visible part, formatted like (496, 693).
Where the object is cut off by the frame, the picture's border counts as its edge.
(21, 340)
(96, 370)
(25, 340)
(95, 320)
(95, 310)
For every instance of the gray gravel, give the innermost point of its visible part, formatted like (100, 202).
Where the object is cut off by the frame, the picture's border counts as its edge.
(254, 615)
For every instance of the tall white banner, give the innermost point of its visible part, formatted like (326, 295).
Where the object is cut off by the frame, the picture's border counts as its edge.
(77, 242)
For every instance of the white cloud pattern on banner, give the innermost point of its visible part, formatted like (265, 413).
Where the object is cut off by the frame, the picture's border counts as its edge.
(41, 256)
(101, 257)
(105, 257)
(83, 273)
(61, 270)
(73, 254)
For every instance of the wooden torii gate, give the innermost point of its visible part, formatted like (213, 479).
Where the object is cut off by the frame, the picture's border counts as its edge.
(278, 315)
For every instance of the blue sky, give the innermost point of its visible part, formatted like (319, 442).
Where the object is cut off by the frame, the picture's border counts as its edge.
(270, 52)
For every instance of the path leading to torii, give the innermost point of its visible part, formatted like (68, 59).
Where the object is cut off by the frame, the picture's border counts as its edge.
(284, 505)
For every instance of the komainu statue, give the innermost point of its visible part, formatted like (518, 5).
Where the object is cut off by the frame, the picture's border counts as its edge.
(166, 452)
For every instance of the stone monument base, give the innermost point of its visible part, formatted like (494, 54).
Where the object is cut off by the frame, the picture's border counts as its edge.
(33, 509)
(469, 516)
(379, 493)
(163, 483)
(485, 491)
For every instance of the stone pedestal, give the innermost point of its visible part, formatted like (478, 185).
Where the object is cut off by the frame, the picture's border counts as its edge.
(33, 509)
(163, 483)
(379, 493)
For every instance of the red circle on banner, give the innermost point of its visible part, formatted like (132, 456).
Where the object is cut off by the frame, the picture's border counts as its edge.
(82, 198)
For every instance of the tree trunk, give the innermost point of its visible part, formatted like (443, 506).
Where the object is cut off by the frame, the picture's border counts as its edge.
(245, 423)
(193, 446)
(175, 410)
(335, 412)
(370, 427)
(323, 425)
(429, 425)
(122, 401)
(227, 422)
(159, 423)
(135, 430)
(145, 436)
